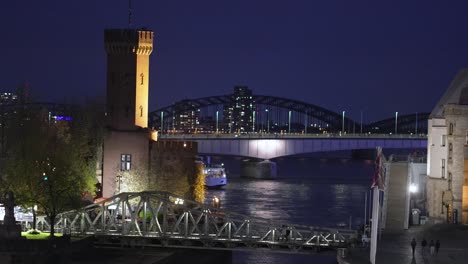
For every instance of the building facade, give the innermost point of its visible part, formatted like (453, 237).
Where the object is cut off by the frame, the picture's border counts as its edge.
(447, 154)
(239, 116)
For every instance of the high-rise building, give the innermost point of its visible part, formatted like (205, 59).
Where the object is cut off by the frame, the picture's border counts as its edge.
(187, 118)
(239, 116)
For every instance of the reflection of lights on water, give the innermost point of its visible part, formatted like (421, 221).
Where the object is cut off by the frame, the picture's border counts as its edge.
(216, 203)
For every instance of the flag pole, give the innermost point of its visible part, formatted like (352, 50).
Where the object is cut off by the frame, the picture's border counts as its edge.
(378, 182)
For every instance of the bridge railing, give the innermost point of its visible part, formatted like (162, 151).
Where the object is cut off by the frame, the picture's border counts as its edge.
(287, 136)
(170, 220)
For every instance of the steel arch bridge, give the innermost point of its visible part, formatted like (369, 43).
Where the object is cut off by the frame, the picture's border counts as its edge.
(332, 119)
(161, 219)
(406, 124)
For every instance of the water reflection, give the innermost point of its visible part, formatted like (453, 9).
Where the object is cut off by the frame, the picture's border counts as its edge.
(324, 192)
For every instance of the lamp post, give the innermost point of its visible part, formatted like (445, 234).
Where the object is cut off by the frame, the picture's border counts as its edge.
(217, 116)
(342, 123)
(289, 122)
(268, 121)
(162, 122)
(396, 123)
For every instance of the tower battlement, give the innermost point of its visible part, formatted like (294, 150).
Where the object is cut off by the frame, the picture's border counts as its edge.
(128, 41)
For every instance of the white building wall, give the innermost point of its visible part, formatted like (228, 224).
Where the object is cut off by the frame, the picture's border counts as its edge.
(437, 148)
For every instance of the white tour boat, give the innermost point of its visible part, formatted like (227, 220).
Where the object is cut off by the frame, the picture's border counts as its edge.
(215, 176)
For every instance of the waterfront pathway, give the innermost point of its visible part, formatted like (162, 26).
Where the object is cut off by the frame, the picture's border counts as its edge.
(395, 247)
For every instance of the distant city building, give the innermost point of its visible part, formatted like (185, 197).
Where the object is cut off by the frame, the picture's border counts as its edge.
(239, 116)
(186, 117)
(8, 98)
(447, 153)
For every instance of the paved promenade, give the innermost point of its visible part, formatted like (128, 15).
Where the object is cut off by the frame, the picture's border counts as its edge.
(395, 247)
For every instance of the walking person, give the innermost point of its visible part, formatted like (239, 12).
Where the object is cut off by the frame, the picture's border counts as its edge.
(413, 245)
(423, 245)
(432, 247)
(437, 246)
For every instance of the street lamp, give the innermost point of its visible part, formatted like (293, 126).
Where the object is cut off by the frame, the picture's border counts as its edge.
(268, 121)
(162, 122)
(342, 123)
(396, 122)
(289, 122)
(217, 115)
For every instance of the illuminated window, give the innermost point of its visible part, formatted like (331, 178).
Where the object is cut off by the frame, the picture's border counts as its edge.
(125, 162)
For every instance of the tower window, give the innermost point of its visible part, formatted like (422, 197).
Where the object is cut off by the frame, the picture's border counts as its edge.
(142, 77)
(443, 139)
(443, 168)
(141, 111)
(451, 129)
(125, 162)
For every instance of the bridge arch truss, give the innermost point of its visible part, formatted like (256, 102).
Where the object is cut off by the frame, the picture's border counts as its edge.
(303, 113)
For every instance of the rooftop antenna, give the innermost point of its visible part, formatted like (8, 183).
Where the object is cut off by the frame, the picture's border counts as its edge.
(129, 13)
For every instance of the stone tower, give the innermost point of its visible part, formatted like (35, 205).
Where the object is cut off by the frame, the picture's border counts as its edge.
(126, 146)
(128, 52)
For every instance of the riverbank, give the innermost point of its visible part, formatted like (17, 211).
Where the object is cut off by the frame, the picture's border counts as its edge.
(61, 251)
(395, 247)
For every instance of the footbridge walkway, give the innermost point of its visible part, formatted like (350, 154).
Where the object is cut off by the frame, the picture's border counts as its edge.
(161, 219)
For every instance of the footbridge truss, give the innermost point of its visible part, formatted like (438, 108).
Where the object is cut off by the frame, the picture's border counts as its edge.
(161, 219)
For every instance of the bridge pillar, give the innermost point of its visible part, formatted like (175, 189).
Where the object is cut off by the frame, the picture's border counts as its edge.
(258, 169)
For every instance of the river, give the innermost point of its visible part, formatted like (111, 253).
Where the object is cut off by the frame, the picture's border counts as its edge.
(308, 191)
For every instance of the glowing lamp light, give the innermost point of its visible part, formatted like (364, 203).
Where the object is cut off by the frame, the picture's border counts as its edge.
(413, 188)
(179, 201)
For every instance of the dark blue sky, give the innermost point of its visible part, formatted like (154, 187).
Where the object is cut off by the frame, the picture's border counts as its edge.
(342, 55)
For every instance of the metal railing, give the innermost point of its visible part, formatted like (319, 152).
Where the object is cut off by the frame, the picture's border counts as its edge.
(286, 136)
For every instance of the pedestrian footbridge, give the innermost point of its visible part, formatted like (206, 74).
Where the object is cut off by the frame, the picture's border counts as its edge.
(161, 219)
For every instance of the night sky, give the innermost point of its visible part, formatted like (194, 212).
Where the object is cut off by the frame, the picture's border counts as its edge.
(355, 56)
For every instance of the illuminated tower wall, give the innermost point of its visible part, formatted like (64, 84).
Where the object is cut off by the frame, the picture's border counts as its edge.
(127, 144)
(128, 52)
